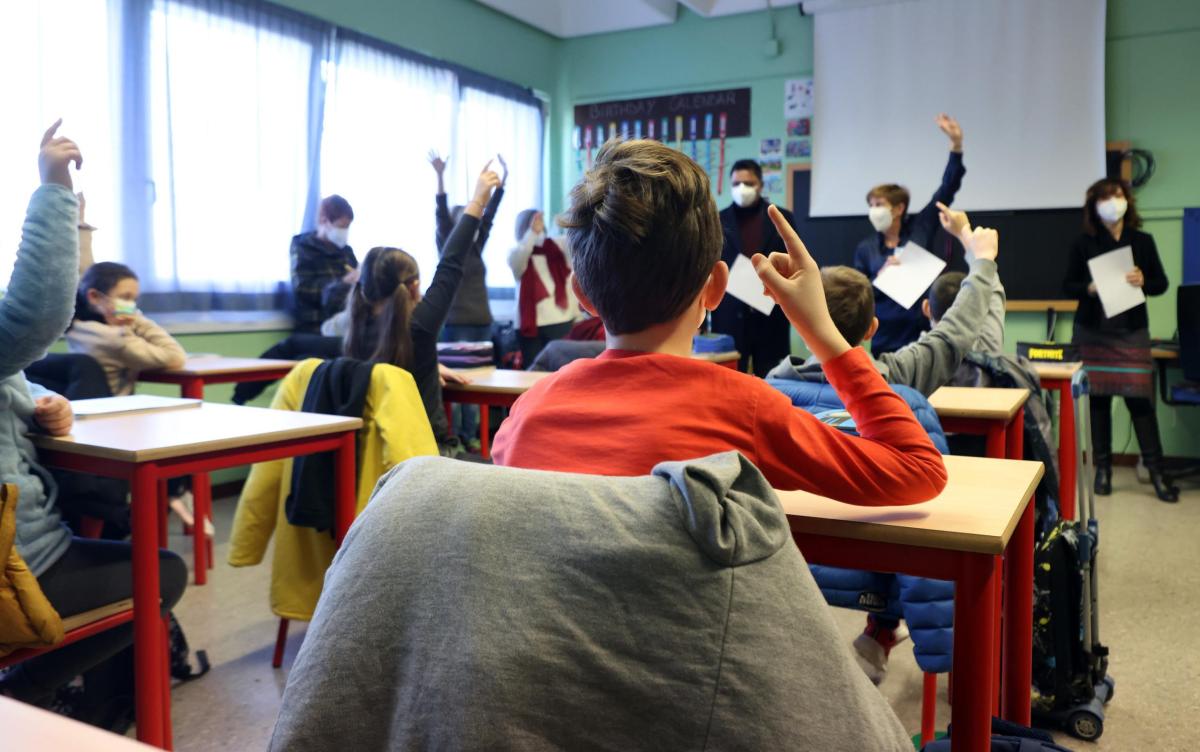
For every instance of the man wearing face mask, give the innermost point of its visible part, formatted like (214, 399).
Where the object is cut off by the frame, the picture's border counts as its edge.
(888, 213)
(319, 258)
(762, 340)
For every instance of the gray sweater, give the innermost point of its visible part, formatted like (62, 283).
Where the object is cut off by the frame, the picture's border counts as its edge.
(974, 322)
(481, 607)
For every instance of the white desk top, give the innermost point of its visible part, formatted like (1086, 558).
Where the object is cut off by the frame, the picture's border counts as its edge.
(218, 365)
(141, 437)
(984, 403)
(30, 729)
(976, 512)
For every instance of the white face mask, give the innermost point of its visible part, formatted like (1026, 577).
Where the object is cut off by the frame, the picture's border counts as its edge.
(744, 195)
(1111, 210)
(881, 217)
(339, 236)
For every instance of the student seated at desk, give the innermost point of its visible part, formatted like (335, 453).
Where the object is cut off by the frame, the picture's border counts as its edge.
(647, 241)
(931, 361)
(109, 327)
(388, 320)
(74, 574)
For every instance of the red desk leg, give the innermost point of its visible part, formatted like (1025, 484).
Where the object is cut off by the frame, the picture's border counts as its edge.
(201, 511)
(485, 431)
(997, 440)
(149, 646)
(1016, 437)
(974, 625)
(997, 632)
(344, 478)
(192, 388)
(1018, 620)
(162, 513)
(1066, 451)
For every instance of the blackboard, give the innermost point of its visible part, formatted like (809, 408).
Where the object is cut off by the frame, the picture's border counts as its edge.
(1033, 243)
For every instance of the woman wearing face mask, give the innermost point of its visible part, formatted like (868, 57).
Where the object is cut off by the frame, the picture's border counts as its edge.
(888, 214)
(546, 304)
(1116, 351)
(762, 340)
(319, 258)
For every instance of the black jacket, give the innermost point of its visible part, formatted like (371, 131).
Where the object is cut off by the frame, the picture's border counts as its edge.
(735, 318)
(470, 307)
(1145, 257)
(315, 264)
(337, 387)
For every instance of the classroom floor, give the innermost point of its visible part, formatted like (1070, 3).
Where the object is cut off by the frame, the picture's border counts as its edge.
(1148, 555)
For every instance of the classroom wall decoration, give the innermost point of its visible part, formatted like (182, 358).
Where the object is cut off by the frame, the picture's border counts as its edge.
(798, 98)
(690, 122)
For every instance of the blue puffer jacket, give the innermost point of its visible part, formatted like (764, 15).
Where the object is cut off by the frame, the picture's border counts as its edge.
(927, 605)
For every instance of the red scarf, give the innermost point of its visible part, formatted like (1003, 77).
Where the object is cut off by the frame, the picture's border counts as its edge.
(533, 291)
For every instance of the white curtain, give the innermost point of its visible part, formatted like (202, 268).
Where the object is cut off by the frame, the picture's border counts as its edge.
(229, 99)
(56, 59)
(383, 113)
(488, 125)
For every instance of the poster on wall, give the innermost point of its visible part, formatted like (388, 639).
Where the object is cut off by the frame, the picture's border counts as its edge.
(798, 98)
(670, 118)
(770, 148)
(800, 148)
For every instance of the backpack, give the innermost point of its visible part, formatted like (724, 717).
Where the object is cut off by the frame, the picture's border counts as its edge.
(982, 370)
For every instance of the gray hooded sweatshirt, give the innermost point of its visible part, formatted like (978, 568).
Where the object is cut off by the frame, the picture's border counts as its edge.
(477, 607)
(974, 322)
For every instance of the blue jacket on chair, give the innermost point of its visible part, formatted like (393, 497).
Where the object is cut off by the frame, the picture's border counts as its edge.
(927, 605)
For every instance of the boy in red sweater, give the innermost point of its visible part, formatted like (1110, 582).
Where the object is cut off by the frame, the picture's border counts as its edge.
(647, 242)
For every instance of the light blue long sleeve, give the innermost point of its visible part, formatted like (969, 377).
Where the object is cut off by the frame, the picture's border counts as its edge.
(40, 300)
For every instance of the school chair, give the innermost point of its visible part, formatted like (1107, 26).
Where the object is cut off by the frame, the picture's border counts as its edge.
(477, 607)
(395, 428)
(1186, 393)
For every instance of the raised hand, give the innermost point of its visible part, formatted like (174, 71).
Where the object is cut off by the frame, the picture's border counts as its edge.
(982, 243)
(56, 157)
(438, 162)
(950, 127)
(954, 222)
(793, 280)
(503, 166)
(488, 181)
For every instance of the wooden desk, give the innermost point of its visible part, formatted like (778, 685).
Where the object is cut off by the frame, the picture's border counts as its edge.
(489, 387)
(148, 448)
(983, 513)
(30, 729)
(203, 369)
(1057, 377)
(994, 413)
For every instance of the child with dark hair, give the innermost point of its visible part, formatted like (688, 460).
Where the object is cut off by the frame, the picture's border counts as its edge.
(388, 320)
(320, 258)
(109, 327)
(546, 304)
(647, 249)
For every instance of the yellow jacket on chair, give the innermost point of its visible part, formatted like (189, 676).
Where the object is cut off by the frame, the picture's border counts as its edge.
(395, 428)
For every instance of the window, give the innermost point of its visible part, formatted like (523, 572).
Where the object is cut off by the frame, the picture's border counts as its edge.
(56, 70)
(211, 128)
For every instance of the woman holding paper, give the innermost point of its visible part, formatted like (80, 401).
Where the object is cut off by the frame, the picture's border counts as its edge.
(1113, 266)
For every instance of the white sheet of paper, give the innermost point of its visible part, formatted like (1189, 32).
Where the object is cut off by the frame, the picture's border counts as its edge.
(1108, 272)
(907, 281)
(134, 403)
(745, 285)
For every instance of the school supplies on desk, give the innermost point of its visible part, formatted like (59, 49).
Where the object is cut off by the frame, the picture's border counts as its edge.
(103, 407)
(745, 285)
(1116, 294)
(905, 282)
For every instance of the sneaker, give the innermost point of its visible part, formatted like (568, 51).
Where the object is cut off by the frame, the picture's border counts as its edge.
(871, 649)
(474, 446)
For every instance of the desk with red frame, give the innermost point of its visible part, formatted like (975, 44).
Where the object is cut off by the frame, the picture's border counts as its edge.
(200, 370)
(977, 532)
(1057, 377)
(148, 448)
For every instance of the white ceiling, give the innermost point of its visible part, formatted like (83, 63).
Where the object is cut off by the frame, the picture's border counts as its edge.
(577, 18)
